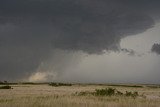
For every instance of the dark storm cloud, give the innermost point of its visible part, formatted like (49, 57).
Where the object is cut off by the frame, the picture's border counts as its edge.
(31, 29)
(156, 48)
(90, 26)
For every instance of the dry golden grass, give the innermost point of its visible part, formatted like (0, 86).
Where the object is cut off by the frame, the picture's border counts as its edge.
(48, 96)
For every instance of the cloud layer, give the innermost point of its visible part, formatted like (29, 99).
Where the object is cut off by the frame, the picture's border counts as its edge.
(32, 31)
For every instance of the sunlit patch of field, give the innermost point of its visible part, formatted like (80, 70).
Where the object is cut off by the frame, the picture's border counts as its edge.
(44, 95)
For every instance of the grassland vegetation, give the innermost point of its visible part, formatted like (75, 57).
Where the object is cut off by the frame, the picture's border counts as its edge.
(5, 87)
(109, 92)
(77, 95)
(59, 84)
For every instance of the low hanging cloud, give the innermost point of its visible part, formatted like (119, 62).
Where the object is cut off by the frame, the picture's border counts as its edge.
(156, 48)
(128, 51)
(32, 31)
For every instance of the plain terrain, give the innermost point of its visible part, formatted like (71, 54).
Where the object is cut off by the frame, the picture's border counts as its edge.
(43, 95)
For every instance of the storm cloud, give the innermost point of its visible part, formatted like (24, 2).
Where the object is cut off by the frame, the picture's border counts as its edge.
(90, 26)
(33, 31)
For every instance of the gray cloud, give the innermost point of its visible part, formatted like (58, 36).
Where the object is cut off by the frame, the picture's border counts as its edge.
(156, 48)
(32, 30)
(129, 51)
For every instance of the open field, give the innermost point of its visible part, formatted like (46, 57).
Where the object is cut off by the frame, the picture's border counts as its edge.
(43, 95)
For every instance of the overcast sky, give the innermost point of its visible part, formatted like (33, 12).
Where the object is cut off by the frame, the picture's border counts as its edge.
(93, 41)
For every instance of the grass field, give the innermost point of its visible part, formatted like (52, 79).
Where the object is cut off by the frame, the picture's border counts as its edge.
(43, 95)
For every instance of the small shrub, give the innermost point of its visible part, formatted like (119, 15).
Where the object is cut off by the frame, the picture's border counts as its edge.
(119, 93)
(130, 94)
(6, 87)
(59, 84)
(53, 84)
(105, 92)
(108, 92)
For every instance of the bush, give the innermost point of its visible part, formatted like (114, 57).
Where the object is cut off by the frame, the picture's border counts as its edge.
(119, 93)
(59, 84)
(130, 94)
(6, 87)
(108, 92)
(105, 92)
